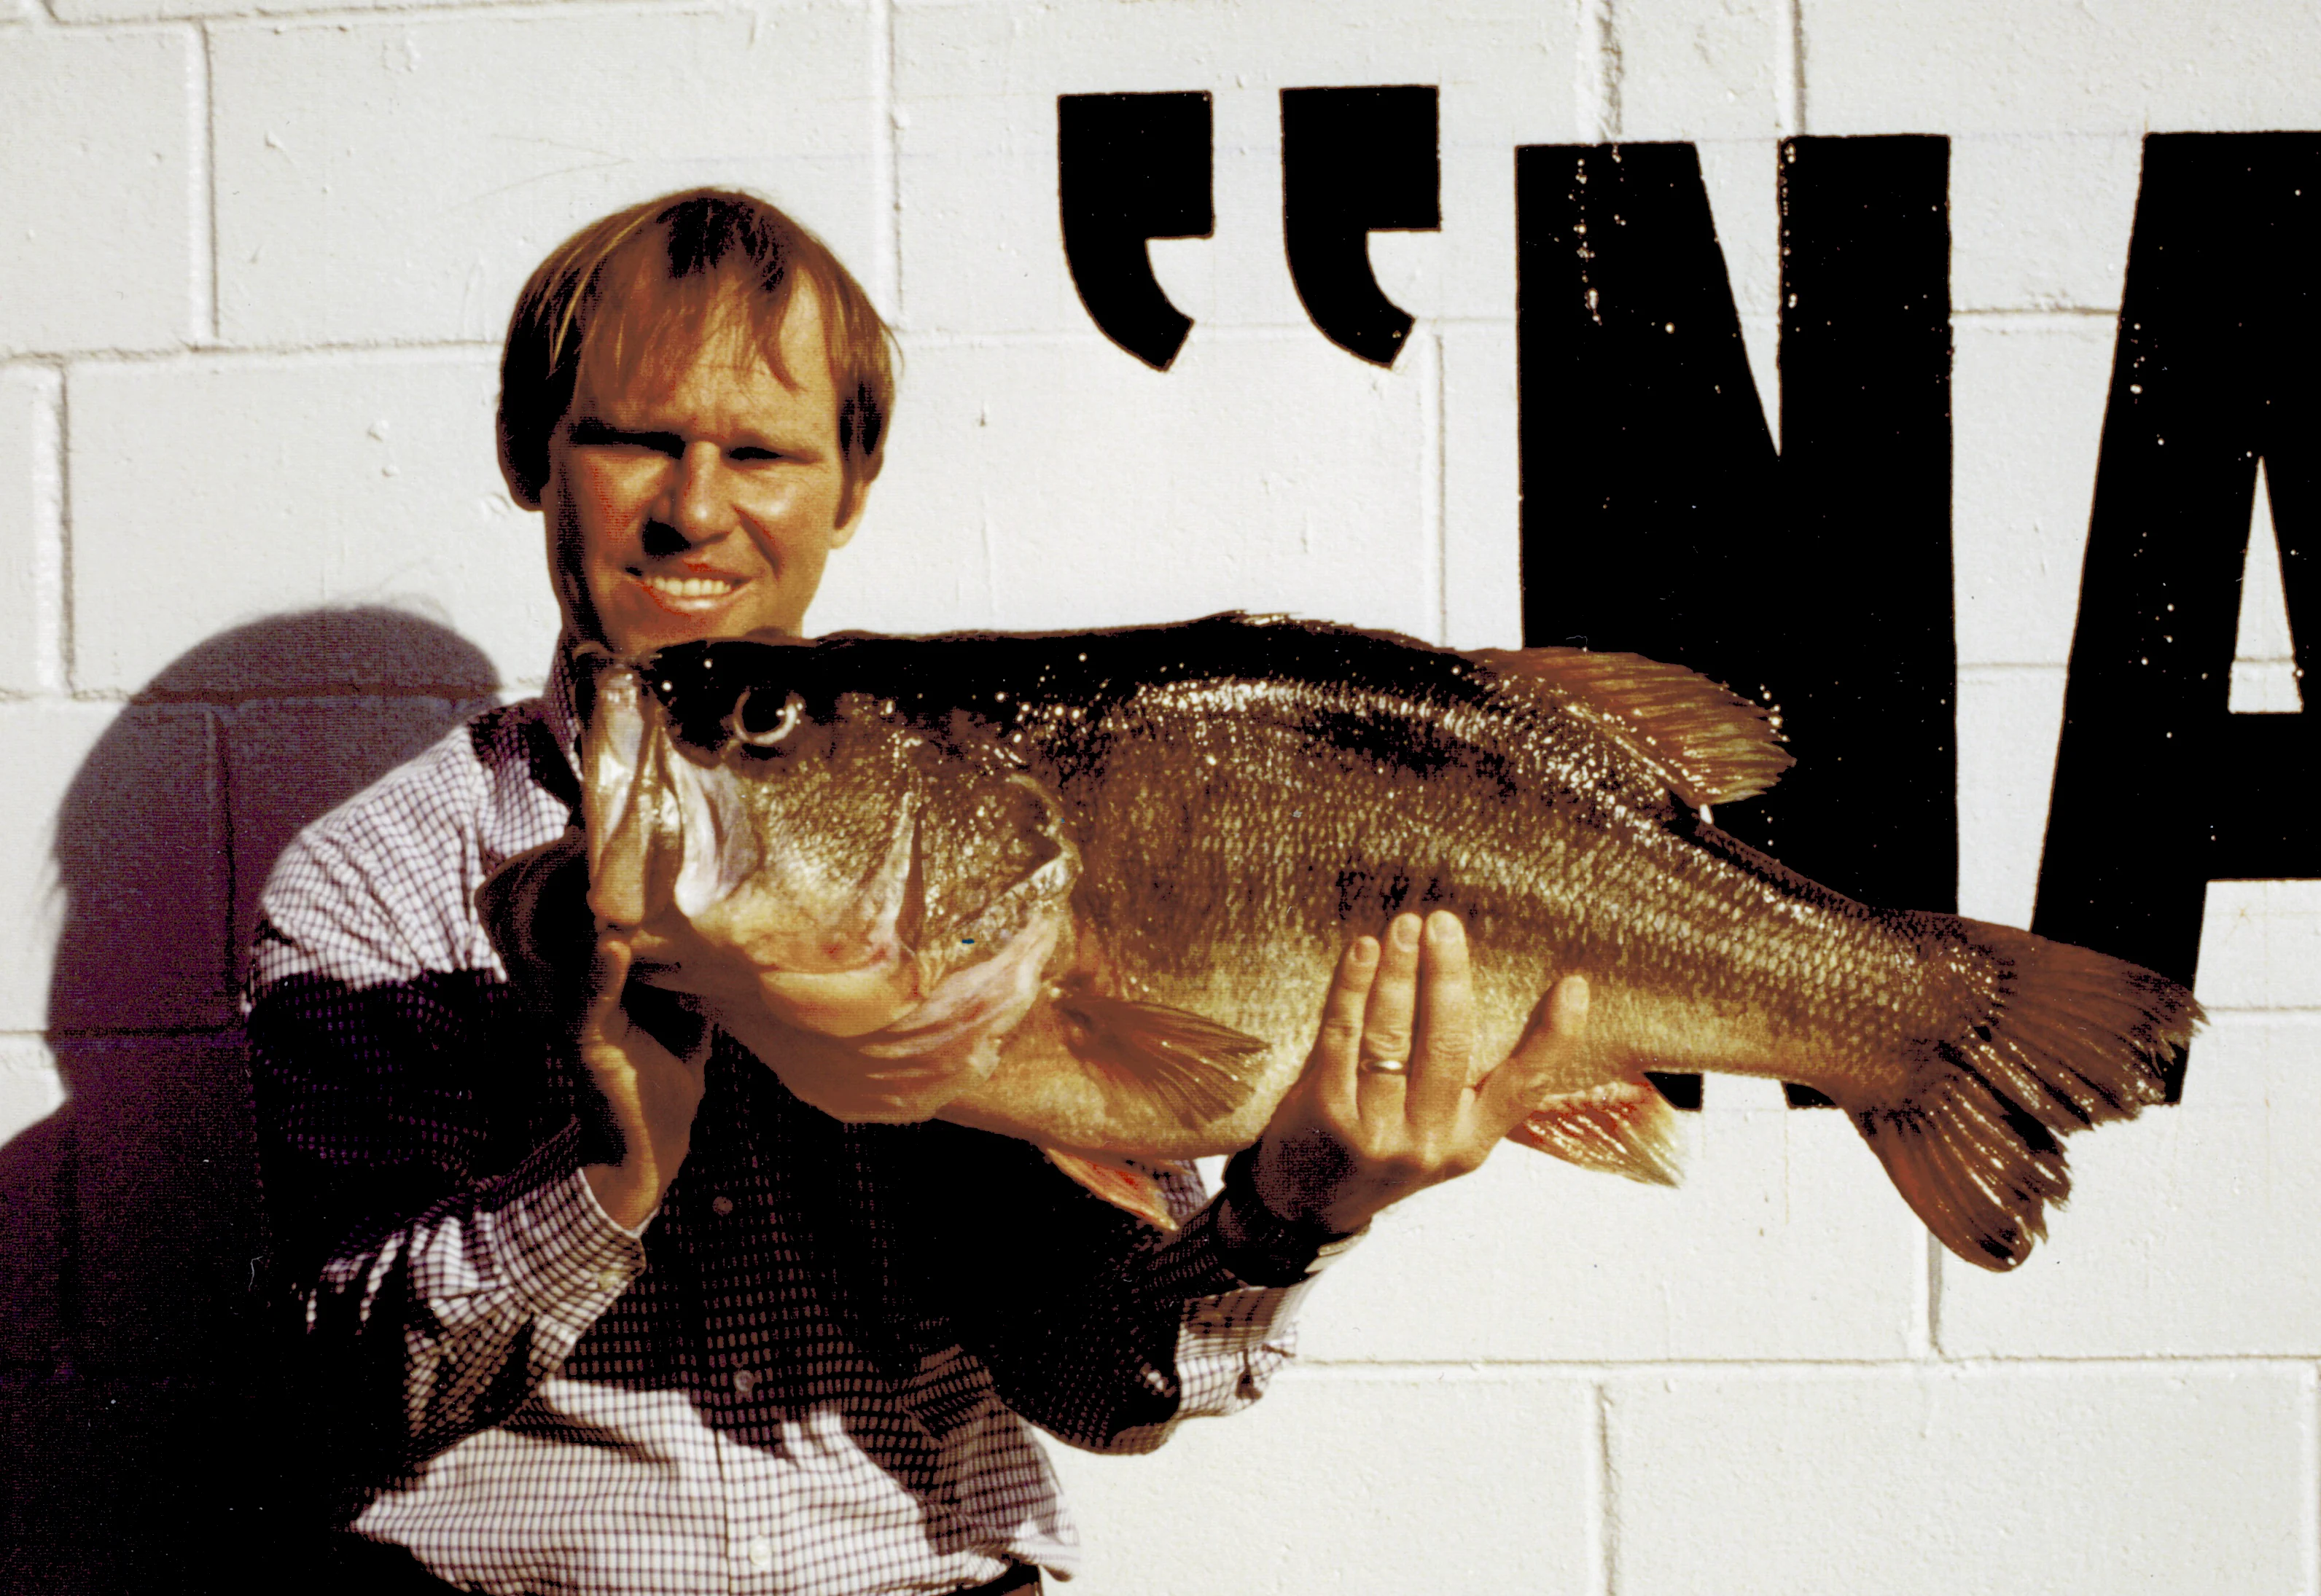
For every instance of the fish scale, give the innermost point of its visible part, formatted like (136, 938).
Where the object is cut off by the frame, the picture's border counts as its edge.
(1088, 888)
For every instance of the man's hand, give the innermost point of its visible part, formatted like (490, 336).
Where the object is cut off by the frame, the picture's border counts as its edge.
(1348, 1141)
(650, 1093)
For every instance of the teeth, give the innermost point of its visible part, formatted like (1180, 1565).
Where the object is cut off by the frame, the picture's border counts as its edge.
(691, 586)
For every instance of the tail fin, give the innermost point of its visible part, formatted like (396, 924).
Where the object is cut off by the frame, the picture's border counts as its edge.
(2057, 1039)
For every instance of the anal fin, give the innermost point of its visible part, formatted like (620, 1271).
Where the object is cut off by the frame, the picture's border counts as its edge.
(1197, 1067)
(1122, 1184)
(1622, 1127)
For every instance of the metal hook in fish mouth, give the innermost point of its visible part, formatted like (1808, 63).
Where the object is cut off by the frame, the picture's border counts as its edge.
(735, 722)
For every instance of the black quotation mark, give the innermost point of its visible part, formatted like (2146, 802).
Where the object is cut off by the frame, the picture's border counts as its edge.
(1354, 161)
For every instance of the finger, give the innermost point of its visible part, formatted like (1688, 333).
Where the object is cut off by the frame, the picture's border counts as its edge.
(1544, 1061)
(1387, 1020)
(608, 977)
(1338, 1045)
(1444, 1036)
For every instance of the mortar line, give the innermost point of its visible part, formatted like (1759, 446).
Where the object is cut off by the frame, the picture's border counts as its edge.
(1596, 71)
(221, 801)
(885, 163)
(51, 669)
(2062, 314)
(67, 660)
(1789, 68)
(1455, 1369)
(339, 16)
(1606, 1552)
(1935, 1298)
(201, 145)
(2311, 1528)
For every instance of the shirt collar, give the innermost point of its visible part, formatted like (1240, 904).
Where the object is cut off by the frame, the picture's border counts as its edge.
(559, 703)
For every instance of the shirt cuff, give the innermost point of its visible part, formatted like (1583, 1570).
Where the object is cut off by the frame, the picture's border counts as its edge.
(1260, 1249)
(564, 1254)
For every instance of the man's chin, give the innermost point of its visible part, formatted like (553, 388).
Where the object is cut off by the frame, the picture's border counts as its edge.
(633, 635)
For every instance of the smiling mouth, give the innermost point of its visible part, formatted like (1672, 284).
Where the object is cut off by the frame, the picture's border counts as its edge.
(692, 589)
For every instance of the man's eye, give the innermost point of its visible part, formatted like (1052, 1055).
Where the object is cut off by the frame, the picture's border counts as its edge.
(753, 452)
(597, 436)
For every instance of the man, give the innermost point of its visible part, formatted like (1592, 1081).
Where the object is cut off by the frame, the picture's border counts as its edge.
(593, 1304)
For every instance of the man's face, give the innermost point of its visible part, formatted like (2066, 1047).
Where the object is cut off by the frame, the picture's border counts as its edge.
(703, 506)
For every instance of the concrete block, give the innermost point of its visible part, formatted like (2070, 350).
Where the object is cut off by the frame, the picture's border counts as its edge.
(2009, 720)
(1785, 1241)
(2261, 945)
(32, 505)
(2054, 66)
(2027, 401)
(2007, 1479)
(168, 1200)
(288, 763)
(355, 650)
(51, 740)
(2264, 662)
(1064, 485)
(2189, 1229)
(1743, 180)
(2041, 223)
(138, 1483)
(96, 179)
(106, 11)
(38, 1224)
(296, 486)
(1482, 487)
(400, 180)
(113, 884)
(982, 249)
(29, 1088)
(1700, 69)
(1339, 1483)
(142, 860)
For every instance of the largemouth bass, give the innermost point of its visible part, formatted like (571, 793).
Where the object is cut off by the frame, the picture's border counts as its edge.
(1088, 889)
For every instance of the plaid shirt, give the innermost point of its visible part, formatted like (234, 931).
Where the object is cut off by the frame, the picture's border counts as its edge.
(810, 1373)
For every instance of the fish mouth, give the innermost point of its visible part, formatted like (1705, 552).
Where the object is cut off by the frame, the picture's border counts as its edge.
(612, 755)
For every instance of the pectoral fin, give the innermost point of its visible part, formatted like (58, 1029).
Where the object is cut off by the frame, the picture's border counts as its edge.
(1623, 1127)
(1124, 1185)
(1195, 1068)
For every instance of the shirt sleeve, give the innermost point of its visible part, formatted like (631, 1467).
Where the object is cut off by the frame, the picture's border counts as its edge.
(436, 1250)
(1114, 1357)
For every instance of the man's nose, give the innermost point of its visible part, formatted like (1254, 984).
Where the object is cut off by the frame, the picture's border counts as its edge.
(698, 503)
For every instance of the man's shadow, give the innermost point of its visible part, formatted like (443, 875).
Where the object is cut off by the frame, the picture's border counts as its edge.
(136, 1448)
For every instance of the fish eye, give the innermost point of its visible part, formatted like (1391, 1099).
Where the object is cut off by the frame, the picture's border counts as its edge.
(785, 721)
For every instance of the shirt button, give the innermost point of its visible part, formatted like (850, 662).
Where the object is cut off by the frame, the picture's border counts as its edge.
(721, 1206)
(744, 1381)
(610, 1278)
(762, 1553)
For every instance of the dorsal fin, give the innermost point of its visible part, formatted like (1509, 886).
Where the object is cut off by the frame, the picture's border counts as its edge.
(1708, 744)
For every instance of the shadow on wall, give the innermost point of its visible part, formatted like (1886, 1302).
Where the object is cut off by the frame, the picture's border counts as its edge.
(134, 1447)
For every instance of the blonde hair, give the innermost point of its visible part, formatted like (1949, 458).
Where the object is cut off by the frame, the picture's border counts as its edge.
(640, 291)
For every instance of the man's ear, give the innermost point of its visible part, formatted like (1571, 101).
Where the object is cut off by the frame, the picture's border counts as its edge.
(850, 513)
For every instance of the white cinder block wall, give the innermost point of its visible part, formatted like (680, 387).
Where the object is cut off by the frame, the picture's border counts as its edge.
(254, 261)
